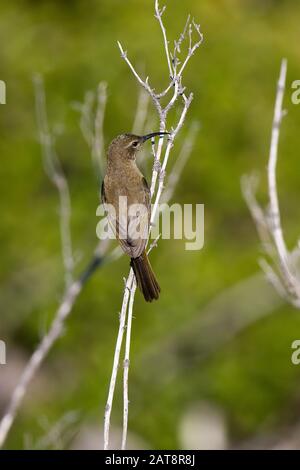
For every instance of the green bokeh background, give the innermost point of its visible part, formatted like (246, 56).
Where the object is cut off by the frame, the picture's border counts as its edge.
(233, 78)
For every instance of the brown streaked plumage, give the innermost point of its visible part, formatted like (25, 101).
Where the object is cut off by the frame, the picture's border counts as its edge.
(124, 179)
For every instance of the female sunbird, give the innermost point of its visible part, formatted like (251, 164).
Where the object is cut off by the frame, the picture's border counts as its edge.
(127, 201)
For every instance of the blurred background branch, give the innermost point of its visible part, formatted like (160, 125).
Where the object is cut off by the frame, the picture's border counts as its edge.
(282, 272)
(212, 359)
(73, 288)
(158, 172)
(55, 172)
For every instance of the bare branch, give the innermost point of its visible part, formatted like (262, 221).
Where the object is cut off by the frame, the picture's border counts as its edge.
(180, 163)
(249, 187)
(158, 173)
(47, 342)
(91, 124)
(57, 435)
(272, 277)
(283, 275)
(98, 143)
(140, 119)
(177, 44)
(73, 289)
(37, 358)
(192, 47)
(86, 113)
(141, 113)
(116, 361)
(126, 364)
(274, 206)
(56, 175)
(156, 164)
(143, 83)
(158, 16)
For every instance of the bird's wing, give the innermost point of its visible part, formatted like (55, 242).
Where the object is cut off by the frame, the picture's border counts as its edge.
(119, 229)
(139, 222)
(131, 228)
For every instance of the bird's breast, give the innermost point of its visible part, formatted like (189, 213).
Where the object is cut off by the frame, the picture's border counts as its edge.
(124, 183)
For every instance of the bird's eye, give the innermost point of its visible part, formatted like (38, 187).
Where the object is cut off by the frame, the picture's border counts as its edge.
(135, 143)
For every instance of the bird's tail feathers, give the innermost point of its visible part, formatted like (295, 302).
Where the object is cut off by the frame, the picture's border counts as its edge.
(145, 277)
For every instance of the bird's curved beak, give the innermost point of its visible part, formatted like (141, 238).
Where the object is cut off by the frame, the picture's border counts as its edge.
(153, 134)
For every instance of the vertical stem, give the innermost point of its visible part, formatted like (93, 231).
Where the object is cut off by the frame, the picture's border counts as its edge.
(116, 360)
(273, 195)
(126, 366)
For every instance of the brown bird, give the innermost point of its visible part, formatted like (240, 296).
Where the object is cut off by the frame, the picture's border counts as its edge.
(127, 202)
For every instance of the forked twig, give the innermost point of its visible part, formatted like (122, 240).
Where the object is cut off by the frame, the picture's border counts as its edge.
(157, 185)
(281, 271)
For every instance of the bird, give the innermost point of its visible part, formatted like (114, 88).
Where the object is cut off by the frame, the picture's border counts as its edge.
(126, 199)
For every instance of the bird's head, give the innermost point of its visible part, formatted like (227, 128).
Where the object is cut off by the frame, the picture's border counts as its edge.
(126, 146)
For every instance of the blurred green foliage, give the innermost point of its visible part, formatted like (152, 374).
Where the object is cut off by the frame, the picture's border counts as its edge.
(233, 78)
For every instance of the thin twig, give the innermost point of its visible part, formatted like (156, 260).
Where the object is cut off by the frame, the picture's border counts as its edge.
(249, 185)
(143, 83)
(282, 273)
(56, 175)
(126, 365)
(158, 16)
(180, 162)
(192, 47)
(140, 119)
(55, 331)
(130, 286)
(141, 113)
(116, 361)
(73, 289)
(126, 362)
(92, 122)
(98, 143)
(156, 189)
(177, 44)
(57, 436)
(274, 212)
